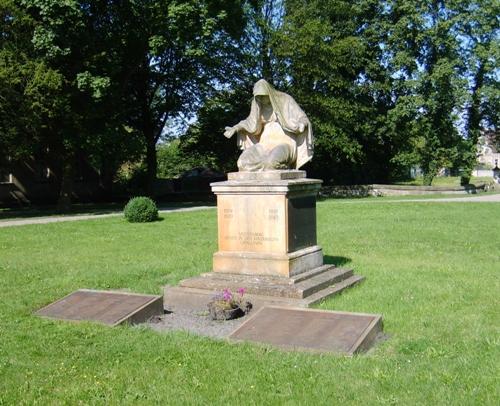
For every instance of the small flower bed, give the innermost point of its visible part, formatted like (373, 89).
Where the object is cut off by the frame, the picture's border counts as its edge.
(226, 305)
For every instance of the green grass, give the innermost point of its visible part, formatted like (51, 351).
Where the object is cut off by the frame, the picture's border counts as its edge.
(431, 269)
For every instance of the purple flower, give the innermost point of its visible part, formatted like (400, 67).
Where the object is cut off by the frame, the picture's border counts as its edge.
(241, 291)
(227, 295)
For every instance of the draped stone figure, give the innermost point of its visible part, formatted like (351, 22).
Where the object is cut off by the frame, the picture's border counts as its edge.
(277, 133)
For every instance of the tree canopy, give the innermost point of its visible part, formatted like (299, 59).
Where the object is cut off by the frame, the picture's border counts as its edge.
(387, 84)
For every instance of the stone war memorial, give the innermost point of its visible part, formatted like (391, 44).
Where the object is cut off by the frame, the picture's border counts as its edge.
(267, 248)
(267, 214)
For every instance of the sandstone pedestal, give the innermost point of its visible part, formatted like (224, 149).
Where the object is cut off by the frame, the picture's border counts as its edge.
(266, 244)
(267, 225)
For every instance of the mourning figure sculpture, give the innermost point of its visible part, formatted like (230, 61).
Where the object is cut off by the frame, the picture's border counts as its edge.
(276, 135)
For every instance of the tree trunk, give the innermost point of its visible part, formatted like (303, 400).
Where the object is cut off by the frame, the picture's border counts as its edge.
(473, 125)
(147, 124)
(428, 177)
(152, 165)
(66, 189)
(465, 179)
(106, 176)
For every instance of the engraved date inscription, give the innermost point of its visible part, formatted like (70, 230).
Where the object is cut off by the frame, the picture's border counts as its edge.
(273, 215)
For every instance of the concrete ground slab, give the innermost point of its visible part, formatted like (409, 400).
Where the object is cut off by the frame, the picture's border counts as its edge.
(110, 308)
(311, 329)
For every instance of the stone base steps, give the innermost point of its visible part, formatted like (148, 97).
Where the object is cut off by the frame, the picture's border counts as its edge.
(333, 290)
(298, 287)
(301, 290)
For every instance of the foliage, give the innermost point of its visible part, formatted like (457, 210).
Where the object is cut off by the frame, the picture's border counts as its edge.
(173, 161)
(443, 55)
(226, 306)
(424, 59)
(205, 138)
(480, 49)
(68, 56)
(30, 88)
(140, 209)
(102, 79)
(226, 300)
(251, 58)
(177, 52)
(387, 84)
(332, 54)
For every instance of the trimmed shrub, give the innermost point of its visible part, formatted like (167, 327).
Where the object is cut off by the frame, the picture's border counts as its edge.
(140, 209)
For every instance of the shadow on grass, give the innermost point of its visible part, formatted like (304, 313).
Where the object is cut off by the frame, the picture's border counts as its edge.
(336, 260)
(88, 209)
(43, 211)
(157, 220)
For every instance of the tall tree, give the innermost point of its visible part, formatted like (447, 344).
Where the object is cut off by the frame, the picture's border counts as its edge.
(117, 70)
(29, 86)
(332, 56)
(178, 51)
(72, 89)
(424, 56)
(251, 57)
(479, 30)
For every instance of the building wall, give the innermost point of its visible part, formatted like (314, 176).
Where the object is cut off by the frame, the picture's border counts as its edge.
(483, 173)
(37, 181)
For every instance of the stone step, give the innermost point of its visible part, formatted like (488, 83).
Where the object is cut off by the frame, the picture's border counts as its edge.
(244, 278)
(309, 274)
(332, 290)
(315, 280)
(320, 281)
(177, 298)
(214, 283)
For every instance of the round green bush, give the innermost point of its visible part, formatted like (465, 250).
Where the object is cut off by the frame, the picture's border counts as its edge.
(140, 209)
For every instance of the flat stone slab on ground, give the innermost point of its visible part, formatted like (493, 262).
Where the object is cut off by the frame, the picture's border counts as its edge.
(311, 329)
(111, 308)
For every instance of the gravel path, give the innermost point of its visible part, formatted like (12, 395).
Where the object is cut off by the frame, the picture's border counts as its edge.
(489, 198)
(196, 322)
(474, 199)
(57, 219)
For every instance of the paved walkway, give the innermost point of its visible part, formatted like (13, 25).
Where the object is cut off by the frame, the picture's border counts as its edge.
(494, 198)
(58, 219)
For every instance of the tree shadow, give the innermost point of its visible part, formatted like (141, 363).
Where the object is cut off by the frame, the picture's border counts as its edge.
(84, 208)
(336, 260)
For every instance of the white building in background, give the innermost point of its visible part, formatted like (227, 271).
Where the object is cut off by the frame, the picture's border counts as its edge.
(487, 154)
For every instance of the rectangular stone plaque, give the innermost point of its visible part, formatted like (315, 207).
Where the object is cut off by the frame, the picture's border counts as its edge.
(252, 223)
(111, 308)
(311, 329)
(301, 222)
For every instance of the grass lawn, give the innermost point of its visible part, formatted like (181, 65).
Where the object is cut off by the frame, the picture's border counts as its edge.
(432, 270)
